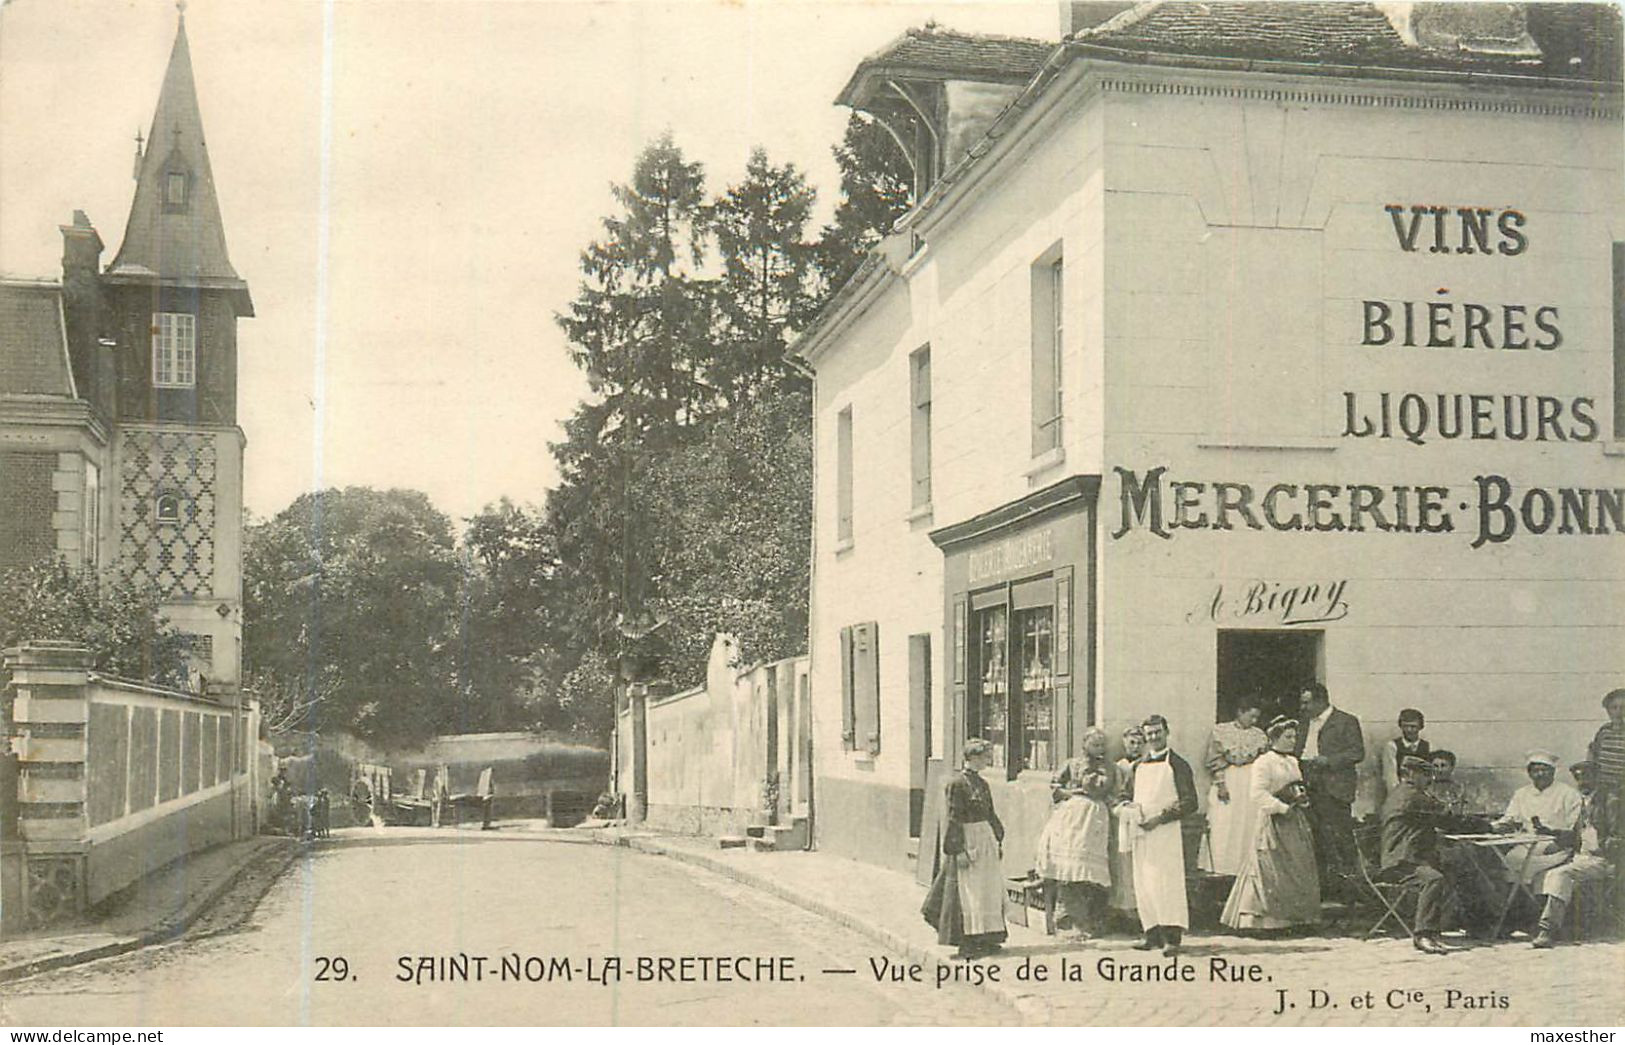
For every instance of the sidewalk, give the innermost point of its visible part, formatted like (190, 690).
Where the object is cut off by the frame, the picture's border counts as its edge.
(157, 908)
(1231, 980)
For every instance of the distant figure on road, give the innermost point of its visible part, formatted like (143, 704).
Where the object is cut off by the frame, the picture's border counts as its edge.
(489, 801)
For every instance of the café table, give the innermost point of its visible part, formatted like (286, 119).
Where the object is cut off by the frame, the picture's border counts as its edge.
(1502, 845)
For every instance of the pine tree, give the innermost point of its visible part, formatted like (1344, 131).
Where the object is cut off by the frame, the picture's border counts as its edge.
(876, 190)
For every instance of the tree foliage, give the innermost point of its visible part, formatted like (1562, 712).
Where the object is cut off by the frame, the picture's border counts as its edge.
(119, 623)
(349, 612)
(876, 190)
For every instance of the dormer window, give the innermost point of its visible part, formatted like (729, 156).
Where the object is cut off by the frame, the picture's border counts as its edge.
(175, 190)
(174, 350)
(167, 509)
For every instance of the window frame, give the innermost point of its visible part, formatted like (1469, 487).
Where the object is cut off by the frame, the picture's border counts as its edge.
(174, 350)
(844, 478)
(919, 379)
(1048, 280)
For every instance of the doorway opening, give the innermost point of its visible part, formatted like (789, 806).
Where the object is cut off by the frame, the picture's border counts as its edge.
(1270, 665)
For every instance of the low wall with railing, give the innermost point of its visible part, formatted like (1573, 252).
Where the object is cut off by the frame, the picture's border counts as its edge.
(116, 779)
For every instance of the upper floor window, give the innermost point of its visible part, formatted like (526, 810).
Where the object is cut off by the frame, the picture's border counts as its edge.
(1048, 317)
(175, 190)
(843, 477)
(919, 365)
(174, 349)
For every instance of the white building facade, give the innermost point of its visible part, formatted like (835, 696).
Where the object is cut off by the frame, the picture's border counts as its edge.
(1222, 364)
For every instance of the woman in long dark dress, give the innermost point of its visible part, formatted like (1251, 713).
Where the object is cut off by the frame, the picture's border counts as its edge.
(966, 901)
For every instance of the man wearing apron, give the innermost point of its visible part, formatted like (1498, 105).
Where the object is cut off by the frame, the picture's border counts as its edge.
(1161, 793)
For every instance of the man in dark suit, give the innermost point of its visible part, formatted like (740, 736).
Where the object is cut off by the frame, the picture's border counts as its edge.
(1410, 852)
(1330, 746)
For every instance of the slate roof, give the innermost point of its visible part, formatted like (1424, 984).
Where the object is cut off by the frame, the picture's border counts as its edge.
(187, 246)
(1569, 41)
(33, 348)
(932, 52)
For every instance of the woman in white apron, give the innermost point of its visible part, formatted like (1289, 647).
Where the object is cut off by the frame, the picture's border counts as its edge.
(1072, 849)
(1161, 794)
(966, 901)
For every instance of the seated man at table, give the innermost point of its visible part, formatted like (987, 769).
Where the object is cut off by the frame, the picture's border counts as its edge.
(1410, 851)
(1444, 786)
(1589, 841)
(1544, 806)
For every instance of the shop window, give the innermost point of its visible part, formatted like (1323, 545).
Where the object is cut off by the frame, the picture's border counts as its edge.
(1014, 698)
(860, 688)
(1270, 665)
(1048, 314)
(843, 477)
(919, 365)
(1619, 341)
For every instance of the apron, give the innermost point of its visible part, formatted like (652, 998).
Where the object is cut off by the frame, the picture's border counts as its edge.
(981, 885)
(1159, 854)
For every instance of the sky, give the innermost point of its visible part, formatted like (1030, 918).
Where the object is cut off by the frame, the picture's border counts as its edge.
(406, 186)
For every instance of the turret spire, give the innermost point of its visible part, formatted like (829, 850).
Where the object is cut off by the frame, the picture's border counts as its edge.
(174, 231)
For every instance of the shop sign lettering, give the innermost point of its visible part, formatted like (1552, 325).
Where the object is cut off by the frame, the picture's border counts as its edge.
(1274, 603)
(1012, 556)
(1494, 512)
(1441, 322)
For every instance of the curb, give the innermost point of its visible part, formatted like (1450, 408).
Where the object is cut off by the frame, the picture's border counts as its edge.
(1033, 1009)
(166, 929)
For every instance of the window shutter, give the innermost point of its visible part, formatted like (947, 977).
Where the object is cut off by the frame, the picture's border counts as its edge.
(866, 684)
(847, 704)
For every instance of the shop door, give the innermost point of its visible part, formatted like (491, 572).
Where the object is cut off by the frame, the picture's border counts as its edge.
(1273, 665)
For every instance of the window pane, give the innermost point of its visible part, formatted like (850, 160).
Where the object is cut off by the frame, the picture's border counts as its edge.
(1035, 631)
(992, 682)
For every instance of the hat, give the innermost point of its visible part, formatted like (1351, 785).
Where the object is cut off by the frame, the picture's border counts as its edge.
(1613, 695)
(1542, 758)
(1414, 762)
(1279, 723)
(1584, 765)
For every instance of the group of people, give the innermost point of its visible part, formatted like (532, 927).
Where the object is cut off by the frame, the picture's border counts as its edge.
(302, 816)
(1281, 824)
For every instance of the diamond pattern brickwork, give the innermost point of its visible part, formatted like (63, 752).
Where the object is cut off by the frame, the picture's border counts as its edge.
(176, 558)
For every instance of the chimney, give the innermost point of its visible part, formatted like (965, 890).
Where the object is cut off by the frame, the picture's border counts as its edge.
(1078, 15)
(81, 247)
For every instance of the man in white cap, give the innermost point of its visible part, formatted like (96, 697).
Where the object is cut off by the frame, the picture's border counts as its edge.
(1544, 806)
(1544, 802)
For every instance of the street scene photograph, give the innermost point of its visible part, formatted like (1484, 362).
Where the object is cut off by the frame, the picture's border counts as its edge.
(926, 513)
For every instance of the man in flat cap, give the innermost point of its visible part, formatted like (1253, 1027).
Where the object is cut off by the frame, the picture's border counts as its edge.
(1608, 746)
(1410, 851)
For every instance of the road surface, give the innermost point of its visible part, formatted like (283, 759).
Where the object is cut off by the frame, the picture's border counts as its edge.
(373, 899)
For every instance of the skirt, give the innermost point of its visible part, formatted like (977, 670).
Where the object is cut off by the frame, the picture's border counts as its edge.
(1278, 886)
(1075, 841)
(968, 903)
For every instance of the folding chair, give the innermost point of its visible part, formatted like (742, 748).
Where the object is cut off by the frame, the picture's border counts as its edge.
(1391, 895)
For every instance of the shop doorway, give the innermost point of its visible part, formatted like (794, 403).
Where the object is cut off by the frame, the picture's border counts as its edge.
(1272, 665)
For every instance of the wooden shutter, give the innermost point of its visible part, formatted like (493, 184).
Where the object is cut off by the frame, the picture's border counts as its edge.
(866, 686)
(848, 706)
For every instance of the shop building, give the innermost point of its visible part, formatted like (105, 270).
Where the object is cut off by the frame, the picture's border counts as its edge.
(1242, 345)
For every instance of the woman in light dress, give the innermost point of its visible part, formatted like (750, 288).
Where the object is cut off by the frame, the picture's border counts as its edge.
(1230, 753)
(1278, 886)
(1072, 855)
(1121, 858)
